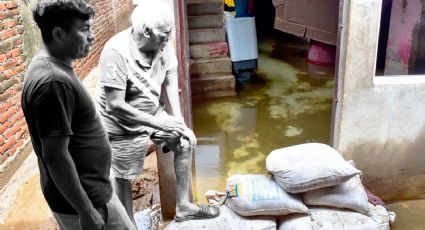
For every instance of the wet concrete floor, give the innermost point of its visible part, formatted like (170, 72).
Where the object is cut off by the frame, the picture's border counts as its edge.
(287, 102)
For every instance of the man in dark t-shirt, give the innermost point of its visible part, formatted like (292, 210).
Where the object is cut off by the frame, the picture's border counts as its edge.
(74, 155)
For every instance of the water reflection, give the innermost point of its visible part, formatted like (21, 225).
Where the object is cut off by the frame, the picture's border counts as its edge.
(287, 102)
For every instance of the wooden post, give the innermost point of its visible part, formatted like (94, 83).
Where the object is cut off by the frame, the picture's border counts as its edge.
(167, 178)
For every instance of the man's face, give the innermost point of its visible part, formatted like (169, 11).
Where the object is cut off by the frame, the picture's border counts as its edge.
(79, 39)
(160, 36)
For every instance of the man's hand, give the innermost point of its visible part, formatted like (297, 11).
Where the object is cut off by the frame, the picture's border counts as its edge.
(191, 136)
(64, 173)
(176, 125)
(171, 124)
(91, 220)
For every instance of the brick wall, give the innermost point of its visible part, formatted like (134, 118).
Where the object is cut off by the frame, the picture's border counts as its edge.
(112, 16)
(19, 40)
(13, 129)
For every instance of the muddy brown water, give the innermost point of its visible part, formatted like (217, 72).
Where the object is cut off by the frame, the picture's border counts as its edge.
(288, 101)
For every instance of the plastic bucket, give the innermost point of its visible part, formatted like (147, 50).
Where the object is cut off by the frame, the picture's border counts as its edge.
(321, 54)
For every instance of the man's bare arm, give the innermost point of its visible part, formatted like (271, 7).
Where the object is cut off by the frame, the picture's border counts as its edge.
(116, 104)
(171, 86)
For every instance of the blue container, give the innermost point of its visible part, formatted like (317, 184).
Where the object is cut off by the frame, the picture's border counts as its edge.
(241, 8)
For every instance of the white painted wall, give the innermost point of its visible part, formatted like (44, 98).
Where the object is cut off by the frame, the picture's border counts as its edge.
(379, 121)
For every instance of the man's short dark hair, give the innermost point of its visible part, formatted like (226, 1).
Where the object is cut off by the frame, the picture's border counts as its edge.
(49, 14)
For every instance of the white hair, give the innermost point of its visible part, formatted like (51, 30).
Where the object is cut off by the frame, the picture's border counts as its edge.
(152, 14)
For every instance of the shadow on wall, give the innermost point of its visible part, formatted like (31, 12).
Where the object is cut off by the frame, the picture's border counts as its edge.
(394, 170)
(31, 36)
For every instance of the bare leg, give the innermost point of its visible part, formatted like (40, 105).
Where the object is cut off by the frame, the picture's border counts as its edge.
(122, 188)
(182, 167)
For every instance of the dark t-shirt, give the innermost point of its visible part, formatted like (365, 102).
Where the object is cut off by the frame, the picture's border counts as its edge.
(55, 103)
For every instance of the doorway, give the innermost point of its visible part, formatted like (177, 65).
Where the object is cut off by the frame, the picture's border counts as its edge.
(287, 101)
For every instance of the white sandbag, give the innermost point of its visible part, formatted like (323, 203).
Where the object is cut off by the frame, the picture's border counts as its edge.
(306, 167)
(337, 219)
(253, 195)
(350, 194)
(226, 220)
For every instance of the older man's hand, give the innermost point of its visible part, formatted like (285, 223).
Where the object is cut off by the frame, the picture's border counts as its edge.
(171, 124)
(191, 136)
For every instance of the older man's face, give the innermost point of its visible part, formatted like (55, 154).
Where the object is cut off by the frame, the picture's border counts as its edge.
(160, 36)
(157, 38)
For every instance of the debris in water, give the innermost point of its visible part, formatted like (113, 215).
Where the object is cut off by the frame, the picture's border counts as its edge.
(149, 219)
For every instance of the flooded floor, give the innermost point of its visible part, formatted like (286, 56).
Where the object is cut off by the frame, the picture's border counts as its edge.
(410, 215)
(287, 102)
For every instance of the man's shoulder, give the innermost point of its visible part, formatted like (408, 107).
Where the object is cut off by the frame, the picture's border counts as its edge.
(42, 71)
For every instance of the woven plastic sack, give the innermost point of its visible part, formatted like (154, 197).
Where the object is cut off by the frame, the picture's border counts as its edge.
(350, 194)
(322, 218)
(254, 195)
(306, 167)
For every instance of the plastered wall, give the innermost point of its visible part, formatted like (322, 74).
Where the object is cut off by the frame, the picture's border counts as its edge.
(379, 121)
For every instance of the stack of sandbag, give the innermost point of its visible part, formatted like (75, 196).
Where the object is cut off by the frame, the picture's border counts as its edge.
(255, 195)
(311, 187)
(325, 181)
(327, 218)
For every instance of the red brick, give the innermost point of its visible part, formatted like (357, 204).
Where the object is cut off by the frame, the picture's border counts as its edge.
(12, 13)
(11, 62)
(12, 131)
(9, 143)
(18, 144)
(20, 68)
(8, 34)
(9, 93)
(12, 100)
(1, 140)
(22, 123)
(15, 52)
(18, 88)
(3, 107)
(20, 133)
(4, 127)
(10, 83)
(8, 13)
(17, 117)
(3, 14)
(8, 114)
(11, 4)
(12, 71)
(10, 23)
(3, 5)
(3, 57)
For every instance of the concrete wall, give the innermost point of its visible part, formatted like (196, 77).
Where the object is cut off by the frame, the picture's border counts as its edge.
(379, 121)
